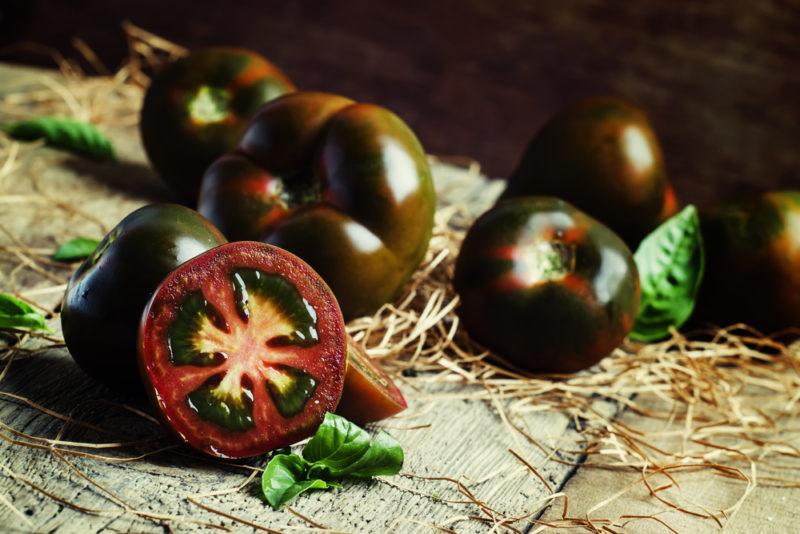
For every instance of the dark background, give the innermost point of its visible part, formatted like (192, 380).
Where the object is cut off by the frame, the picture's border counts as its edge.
(719, 79)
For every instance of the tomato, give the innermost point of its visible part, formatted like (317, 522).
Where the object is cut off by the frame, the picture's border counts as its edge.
(752, 262)
(545, 286)
(671, 205)
(345, 186)
(242, 350)
(602, 155)
(369, 392)
(107, 293)
(196, 109)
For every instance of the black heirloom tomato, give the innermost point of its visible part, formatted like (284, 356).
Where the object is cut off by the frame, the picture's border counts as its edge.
(545, 286)
(369, 392)
(752, 262)
(343, 185)
(107, 293)
(602, 155)
(197, 108)
(242, 350)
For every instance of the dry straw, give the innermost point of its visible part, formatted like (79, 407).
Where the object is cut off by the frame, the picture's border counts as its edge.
(718, 403)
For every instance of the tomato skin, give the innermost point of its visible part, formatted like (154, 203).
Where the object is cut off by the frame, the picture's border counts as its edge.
(369, 393)
(602, 155)
(164, 381)
(672, 204)
(104, 299)
(752, 262)
(180, 142)
(345, 186)
(545, 286)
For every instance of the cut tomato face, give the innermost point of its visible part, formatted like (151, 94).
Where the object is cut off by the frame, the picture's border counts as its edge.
(369, 393)
(242, 350)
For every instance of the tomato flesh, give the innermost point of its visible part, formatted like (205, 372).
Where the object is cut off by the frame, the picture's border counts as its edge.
(243, 350)
(369, 393)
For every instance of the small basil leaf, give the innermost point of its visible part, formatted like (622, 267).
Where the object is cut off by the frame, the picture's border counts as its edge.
(16, 313)
(671, 263)
(384, 457)
(337, 444)
(285, 478)
(67, 134)
(76, 249)
(341, 448)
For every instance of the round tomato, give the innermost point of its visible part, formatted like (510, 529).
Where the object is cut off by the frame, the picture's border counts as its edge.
(752, 262)
(345, 186)
(107, 293)
(196, 109)
(242, 350)
(545, 286)
(602, 155)
(369, 392)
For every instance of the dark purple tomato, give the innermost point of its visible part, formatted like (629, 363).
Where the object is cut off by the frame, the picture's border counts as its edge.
(602, 155)
(107, 293)
(196, 109)
(752, 262)
(545, 286)
(243, 350)
(344, 185)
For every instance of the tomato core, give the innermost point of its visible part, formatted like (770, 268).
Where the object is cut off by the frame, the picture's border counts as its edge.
(257, 347)
(209, 105)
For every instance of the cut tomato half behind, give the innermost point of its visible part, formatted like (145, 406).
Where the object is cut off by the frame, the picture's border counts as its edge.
(369, 393)
(242, 350)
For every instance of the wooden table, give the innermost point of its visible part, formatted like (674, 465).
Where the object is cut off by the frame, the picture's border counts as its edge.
(450, 430)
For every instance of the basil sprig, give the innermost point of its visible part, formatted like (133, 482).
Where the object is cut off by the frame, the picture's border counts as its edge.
(671, 263)
(67, 134)
(339, 449)
(76, 249)
(19, 315)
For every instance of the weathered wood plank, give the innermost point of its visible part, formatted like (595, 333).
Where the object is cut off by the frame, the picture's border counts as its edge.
(593, 493)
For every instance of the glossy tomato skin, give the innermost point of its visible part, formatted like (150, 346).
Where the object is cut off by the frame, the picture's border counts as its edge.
(168, 384)
(369, 393)
(345, 186)
(752, 262)
(545, 286)
(672, 204)
(196, 109)
(107, 293)
(602, 155)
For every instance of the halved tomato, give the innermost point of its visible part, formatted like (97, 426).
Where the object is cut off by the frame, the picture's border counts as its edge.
(242, 350)
(369, 393)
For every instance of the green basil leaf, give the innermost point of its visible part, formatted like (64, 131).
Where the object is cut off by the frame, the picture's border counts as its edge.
(67, 134)
(384, 457)
(341, 448)
(337, 444)
(18, 314)
(286, 477)
(338, 449)
(671, 263)
(76, 249)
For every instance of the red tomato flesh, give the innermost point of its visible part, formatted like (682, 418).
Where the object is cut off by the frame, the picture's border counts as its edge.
(242, 350)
